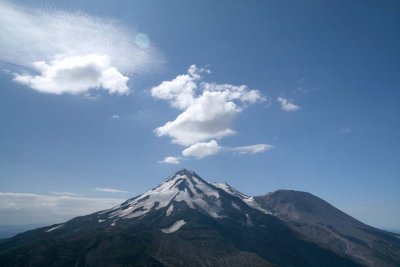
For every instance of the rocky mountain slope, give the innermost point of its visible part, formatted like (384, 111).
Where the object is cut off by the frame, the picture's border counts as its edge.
(320, 222)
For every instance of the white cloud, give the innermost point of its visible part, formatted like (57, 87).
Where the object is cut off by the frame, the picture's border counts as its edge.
(70, 52)
(286, 105)
(75, 75)
(17, 208)
(201, 150)
(252, 149)
(170, 160)
(109, 190)
(115, 116)
(207, 114)
(179, 91)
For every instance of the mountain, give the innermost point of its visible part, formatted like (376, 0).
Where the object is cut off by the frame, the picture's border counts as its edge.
(186, 221)
(320, 222)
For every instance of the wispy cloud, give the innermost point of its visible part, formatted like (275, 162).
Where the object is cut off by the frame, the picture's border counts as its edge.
(56, 51)
(109, 190)
(115, 116)
(206, 149)
(346, 130)
(201, 150)
(170, 160)
(287, 105)
(252, 149)
(46, 209)
(66, 194)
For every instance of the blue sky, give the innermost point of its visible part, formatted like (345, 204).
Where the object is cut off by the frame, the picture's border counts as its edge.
(270, 95)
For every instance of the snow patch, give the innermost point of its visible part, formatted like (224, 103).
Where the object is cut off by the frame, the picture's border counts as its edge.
(169, 210)
(236, 206)
(54, 228)
(252, 203)
(249, 222)
(247, 199)
(173, 228)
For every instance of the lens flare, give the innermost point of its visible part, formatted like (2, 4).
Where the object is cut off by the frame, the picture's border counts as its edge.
(142, 40)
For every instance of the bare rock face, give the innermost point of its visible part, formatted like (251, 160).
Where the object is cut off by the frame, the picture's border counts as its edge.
(318, 221)
(186, 221)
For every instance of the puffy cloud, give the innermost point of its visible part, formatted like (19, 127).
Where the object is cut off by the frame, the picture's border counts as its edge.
(179, 91)
(170, 160)
(252, 149)
(209, 117)
(76, 74)
(46, 209)
(201, 150)
(109, 190)
(286, 105)
(55, 51)
(207, 114)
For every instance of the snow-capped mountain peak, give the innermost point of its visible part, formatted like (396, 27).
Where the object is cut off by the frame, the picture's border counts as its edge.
(186, 188)
(182, 186)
